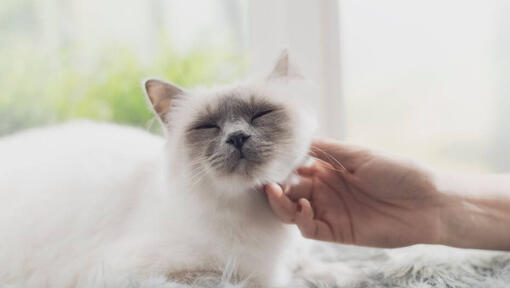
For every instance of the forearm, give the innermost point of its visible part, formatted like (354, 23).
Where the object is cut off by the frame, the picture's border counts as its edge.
(476, 211)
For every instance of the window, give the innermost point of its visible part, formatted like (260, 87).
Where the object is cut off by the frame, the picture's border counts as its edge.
(426, 79)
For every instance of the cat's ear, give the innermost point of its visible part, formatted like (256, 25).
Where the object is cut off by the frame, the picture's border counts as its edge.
(285, 68)
(161, 94)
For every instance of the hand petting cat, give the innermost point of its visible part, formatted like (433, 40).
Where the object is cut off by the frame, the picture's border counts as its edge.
(352, 195)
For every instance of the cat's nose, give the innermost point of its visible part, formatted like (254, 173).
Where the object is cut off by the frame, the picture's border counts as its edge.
(237, 139)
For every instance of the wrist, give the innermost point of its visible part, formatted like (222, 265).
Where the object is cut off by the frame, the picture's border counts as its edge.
(473, 213)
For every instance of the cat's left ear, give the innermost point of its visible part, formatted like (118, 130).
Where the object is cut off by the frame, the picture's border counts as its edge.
(161, 94)
(285, 68)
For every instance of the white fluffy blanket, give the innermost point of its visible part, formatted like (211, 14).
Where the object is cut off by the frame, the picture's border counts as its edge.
(419, 266)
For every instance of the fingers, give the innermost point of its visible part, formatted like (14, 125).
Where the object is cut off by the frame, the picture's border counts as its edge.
(305, 211)
(303, 189)
(300, 214)
(306, 171)
(281, 205)
(309, 227)
(338, 154)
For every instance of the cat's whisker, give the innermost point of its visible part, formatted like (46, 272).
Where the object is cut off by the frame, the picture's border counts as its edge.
(196, 182)
(150, 123)
(333, 161)
(196, 178)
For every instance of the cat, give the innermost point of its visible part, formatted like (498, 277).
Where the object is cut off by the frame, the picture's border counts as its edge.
(83, 197)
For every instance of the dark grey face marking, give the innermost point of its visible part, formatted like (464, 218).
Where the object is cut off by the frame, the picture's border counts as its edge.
(238, 136)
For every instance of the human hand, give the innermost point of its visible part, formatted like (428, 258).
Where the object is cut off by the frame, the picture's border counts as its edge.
(355, 196)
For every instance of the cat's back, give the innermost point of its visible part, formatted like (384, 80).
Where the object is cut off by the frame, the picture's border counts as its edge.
(81, 156)
(72, 145)
(78, 136)
(68, 187)
(41, 149)
(81, 152)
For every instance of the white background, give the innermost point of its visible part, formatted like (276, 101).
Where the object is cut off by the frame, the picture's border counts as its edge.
(426, 79)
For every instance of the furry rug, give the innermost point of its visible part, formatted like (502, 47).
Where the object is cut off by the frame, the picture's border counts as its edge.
(419, 266)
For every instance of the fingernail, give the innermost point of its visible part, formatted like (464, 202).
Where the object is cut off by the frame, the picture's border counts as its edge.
(299, 207)
(278, 189)
(274, 189)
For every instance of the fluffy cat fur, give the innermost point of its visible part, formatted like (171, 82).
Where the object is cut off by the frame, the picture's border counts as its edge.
(85, 197)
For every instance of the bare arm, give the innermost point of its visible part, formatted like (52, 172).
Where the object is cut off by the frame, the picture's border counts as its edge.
(353, 195)
(477, 214)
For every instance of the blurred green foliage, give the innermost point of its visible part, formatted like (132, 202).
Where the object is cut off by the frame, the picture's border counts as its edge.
(39, 89)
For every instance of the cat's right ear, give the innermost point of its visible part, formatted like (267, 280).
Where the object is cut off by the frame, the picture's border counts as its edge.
(285, 68)
(161, 94)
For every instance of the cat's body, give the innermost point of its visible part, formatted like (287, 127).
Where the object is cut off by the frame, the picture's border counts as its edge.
(83, 197)
(99, 198)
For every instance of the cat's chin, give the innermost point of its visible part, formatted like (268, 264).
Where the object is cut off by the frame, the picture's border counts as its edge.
(233, 185)
(242, 169)
(236, 181)
(246, 177)
(238, 184)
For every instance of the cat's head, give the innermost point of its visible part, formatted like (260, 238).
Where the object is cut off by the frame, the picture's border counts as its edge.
(240, 136)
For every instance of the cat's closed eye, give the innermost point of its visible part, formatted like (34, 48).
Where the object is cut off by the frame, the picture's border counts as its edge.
(206, 126)
(260, 114)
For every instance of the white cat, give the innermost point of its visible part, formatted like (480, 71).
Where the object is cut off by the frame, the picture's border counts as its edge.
(84, 197)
